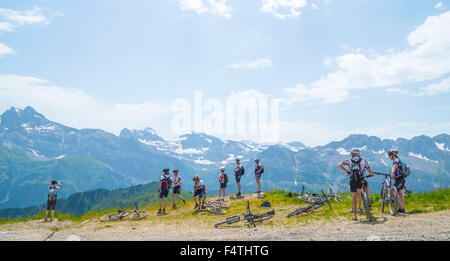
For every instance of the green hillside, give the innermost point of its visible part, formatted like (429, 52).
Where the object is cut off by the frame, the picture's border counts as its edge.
(23, 181)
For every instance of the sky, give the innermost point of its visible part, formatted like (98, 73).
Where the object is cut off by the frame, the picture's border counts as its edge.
(376, 67)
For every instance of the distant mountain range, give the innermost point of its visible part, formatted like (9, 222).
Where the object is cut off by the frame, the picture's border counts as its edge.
(34, 150)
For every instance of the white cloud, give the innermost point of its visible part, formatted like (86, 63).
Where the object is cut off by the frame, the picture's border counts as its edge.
(283, 9)
(254, 64)
(314, 6)
(436, 88)
(4, 50)
(426, 58)
(6, 27)
(215, 7)
(74, 107)
(439, 5)
(35, 16)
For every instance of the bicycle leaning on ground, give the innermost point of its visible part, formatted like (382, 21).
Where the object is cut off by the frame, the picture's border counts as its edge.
(135, 214)
(317, 203)
(248, 216)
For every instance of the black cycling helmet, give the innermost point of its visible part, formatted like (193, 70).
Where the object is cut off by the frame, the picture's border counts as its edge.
(392, 152)
(166, 170)
(195, 178)
(175, 171)
(355, 152)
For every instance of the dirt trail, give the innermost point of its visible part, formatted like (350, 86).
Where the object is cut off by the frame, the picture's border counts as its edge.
(432, 226)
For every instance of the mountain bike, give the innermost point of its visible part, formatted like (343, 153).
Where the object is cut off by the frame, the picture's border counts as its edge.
(248, 216)
(337, 197)
(216, 207)
(308, 198)
(135, 214)
(315, 205)
(389, 194)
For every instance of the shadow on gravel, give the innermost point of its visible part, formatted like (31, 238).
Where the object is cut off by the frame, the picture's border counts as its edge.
(374, 221)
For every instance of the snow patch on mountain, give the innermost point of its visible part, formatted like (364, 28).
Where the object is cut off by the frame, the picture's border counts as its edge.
(420, 156)
(342, 151)
(59, 157)
(203, 161)
(441, 146)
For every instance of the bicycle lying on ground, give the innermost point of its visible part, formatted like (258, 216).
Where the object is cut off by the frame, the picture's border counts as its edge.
(248, 216)
(389, 193)
(317, 203)
(216, 207)
(308, 198)
(135, 214)
(337, 197)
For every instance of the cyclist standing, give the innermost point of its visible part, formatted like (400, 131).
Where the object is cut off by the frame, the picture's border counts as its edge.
(176, 188)
(259, 169)
(357, 167)
(164, 186)
(223, 180)
(52, 198)
(238, 175)
(199, 191)
(397, 173)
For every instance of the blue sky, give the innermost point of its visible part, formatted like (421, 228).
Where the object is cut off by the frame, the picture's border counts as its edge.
(340, 67)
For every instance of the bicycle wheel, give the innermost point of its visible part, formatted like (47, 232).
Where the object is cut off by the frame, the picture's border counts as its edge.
(366, 203)
(384, 197)
(393, 202)
(141, 214)
(216, 210)
(110, 217)
(220, 204)
(229, 221)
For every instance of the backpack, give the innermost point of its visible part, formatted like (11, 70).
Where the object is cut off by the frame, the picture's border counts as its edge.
(242, 171)
(266, 204)
(356, 168)
(51, 193)
(405, 170)
(225, 178)
(166, 183)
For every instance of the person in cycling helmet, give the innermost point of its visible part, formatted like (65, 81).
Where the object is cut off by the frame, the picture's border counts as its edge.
(357, 167)
(199, 191)
(223, 180)
(176, 192)
(398, 176)
(238, 175)
(259, 169)
(165, 182)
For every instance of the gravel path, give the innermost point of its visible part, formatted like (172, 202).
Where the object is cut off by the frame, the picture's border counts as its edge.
(432, 226)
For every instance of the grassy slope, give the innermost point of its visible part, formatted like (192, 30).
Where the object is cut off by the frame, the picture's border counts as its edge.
(416, 203)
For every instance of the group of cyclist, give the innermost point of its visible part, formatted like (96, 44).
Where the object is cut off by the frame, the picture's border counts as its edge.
(356, 171)
(200, 186)
(355, 168)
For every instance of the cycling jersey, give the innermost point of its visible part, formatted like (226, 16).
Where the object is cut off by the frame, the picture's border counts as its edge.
(200, 186)
(399, 168)
(239, 172)
(177, 179)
